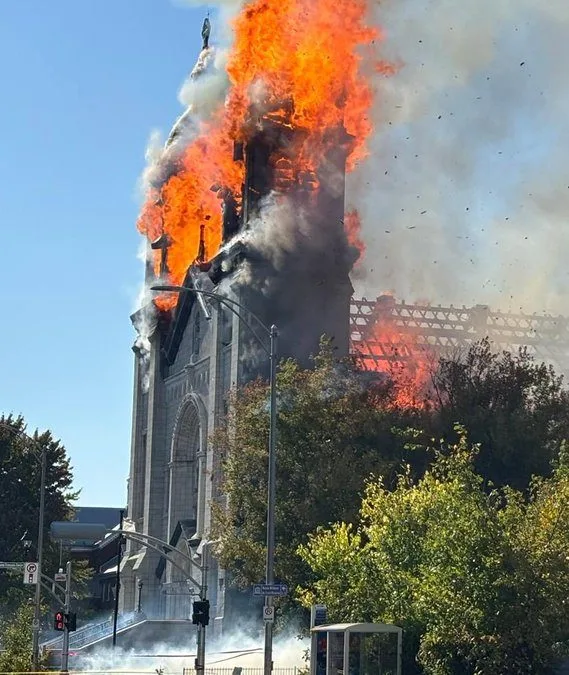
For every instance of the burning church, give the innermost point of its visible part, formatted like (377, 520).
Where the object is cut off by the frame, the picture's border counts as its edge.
(247, 200)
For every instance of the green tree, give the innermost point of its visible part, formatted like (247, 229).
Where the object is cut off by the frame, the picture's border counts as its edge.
(515, 408)
(335, 428)
(478, 580)
(16, 639)
(20, 471)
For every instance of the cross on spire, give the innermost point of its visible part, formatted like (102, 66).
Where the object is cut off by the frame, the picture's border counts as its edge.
(162, 244)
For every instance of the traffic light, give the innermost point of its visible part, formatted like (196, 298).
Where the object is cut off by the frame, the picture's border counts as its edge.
(200, 613)
(59, 621)
(71, 622)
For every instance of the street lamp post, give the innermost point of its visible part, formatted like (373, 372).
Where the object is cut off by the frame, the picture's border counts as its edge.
(37, 601)
(65, 530)
(272, 333)
(271, 494)
(41, 517)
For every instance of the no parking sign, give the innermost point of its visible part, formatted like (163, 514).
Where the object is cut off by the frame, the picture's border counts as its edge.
(31, 573)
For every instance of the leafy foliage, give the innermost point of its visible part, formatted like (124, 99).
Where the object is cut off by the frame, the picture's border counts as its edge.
(333, 432)
(515, 408)
(16, 640)
(20, 474)
(478, 580)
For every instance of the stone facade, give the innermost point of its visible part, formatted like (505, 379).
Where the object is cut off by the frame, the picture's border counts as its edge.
(188, 359)
(171, 476)
(185, 368)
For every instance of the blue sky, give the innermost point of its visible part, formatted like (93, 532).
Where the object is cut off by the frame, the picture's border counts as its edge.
(83, 84)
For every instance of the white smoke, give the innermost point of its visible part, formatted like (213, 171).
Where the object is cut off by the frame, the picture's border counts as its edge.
(201, 95)
(465, 194)
(153, 155)
(235, 650)
(144, 319)
(275, 229)
(205, 87)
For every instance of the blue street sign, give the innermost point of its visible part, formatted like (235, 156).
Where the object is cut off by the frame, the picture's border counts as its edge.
(270, 589)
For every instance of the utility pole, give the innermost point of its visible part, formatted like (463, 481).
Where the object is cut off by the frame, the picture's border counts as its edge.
(270, 566)
(200, 655)
(66, 612)
(118, 581)
(37, 602)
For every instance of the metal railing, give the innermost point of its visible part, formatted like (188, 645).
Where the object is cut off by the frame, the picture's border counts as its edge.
(93, 633)
(238, 670)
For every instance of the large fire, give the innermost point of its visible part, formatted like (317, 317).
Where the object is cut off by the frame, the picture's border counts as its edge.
(393, 349)
(298, 61)
(299, 64)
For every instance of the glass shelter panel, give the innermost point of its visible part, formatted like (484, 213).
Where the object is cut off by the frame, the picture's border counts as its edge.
(335, 654)
(372, 654)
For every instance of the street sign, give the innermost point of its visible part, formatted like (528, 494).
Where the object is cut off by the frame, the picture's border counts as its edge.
(31, 573)
(11, 566)
(59, 578)
(318, 615)
(271, 590)
(269, 614)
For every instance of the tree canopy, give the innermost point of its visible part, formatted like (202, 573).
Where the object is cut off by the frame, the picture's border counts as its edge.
(465, 548)
(20, 472)
(478, 579)
(335, 428)
(16, 632)
(515, 408)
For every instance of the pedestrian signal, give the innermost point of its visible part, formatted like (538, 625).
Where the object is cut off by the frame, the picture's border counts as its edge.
(59, 621)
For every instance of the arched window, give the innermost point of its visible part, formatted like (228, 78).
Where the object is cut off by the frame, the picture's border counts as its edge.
(184, 471)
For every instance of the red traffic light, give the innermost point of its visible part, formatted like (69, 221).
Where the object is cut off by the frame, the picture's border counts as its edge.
(59, 621)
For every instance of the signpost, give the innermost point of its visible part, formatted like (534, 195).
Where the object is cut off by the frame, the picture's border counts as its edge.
(270, 590)
(31, 573)
(318, 615)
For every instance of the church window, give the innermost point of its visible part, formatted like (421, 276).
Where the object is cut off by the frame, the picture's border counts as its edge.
(196, 336)
(226, 327)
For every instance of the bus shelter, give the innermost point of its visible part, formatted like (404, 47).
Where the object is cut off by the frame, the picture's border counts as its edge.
(356, 649)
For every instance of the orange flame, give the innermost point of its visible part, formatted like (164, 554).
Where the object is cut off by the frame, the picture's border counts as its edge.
(390, 349)
(295, 62)
(353, 229)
